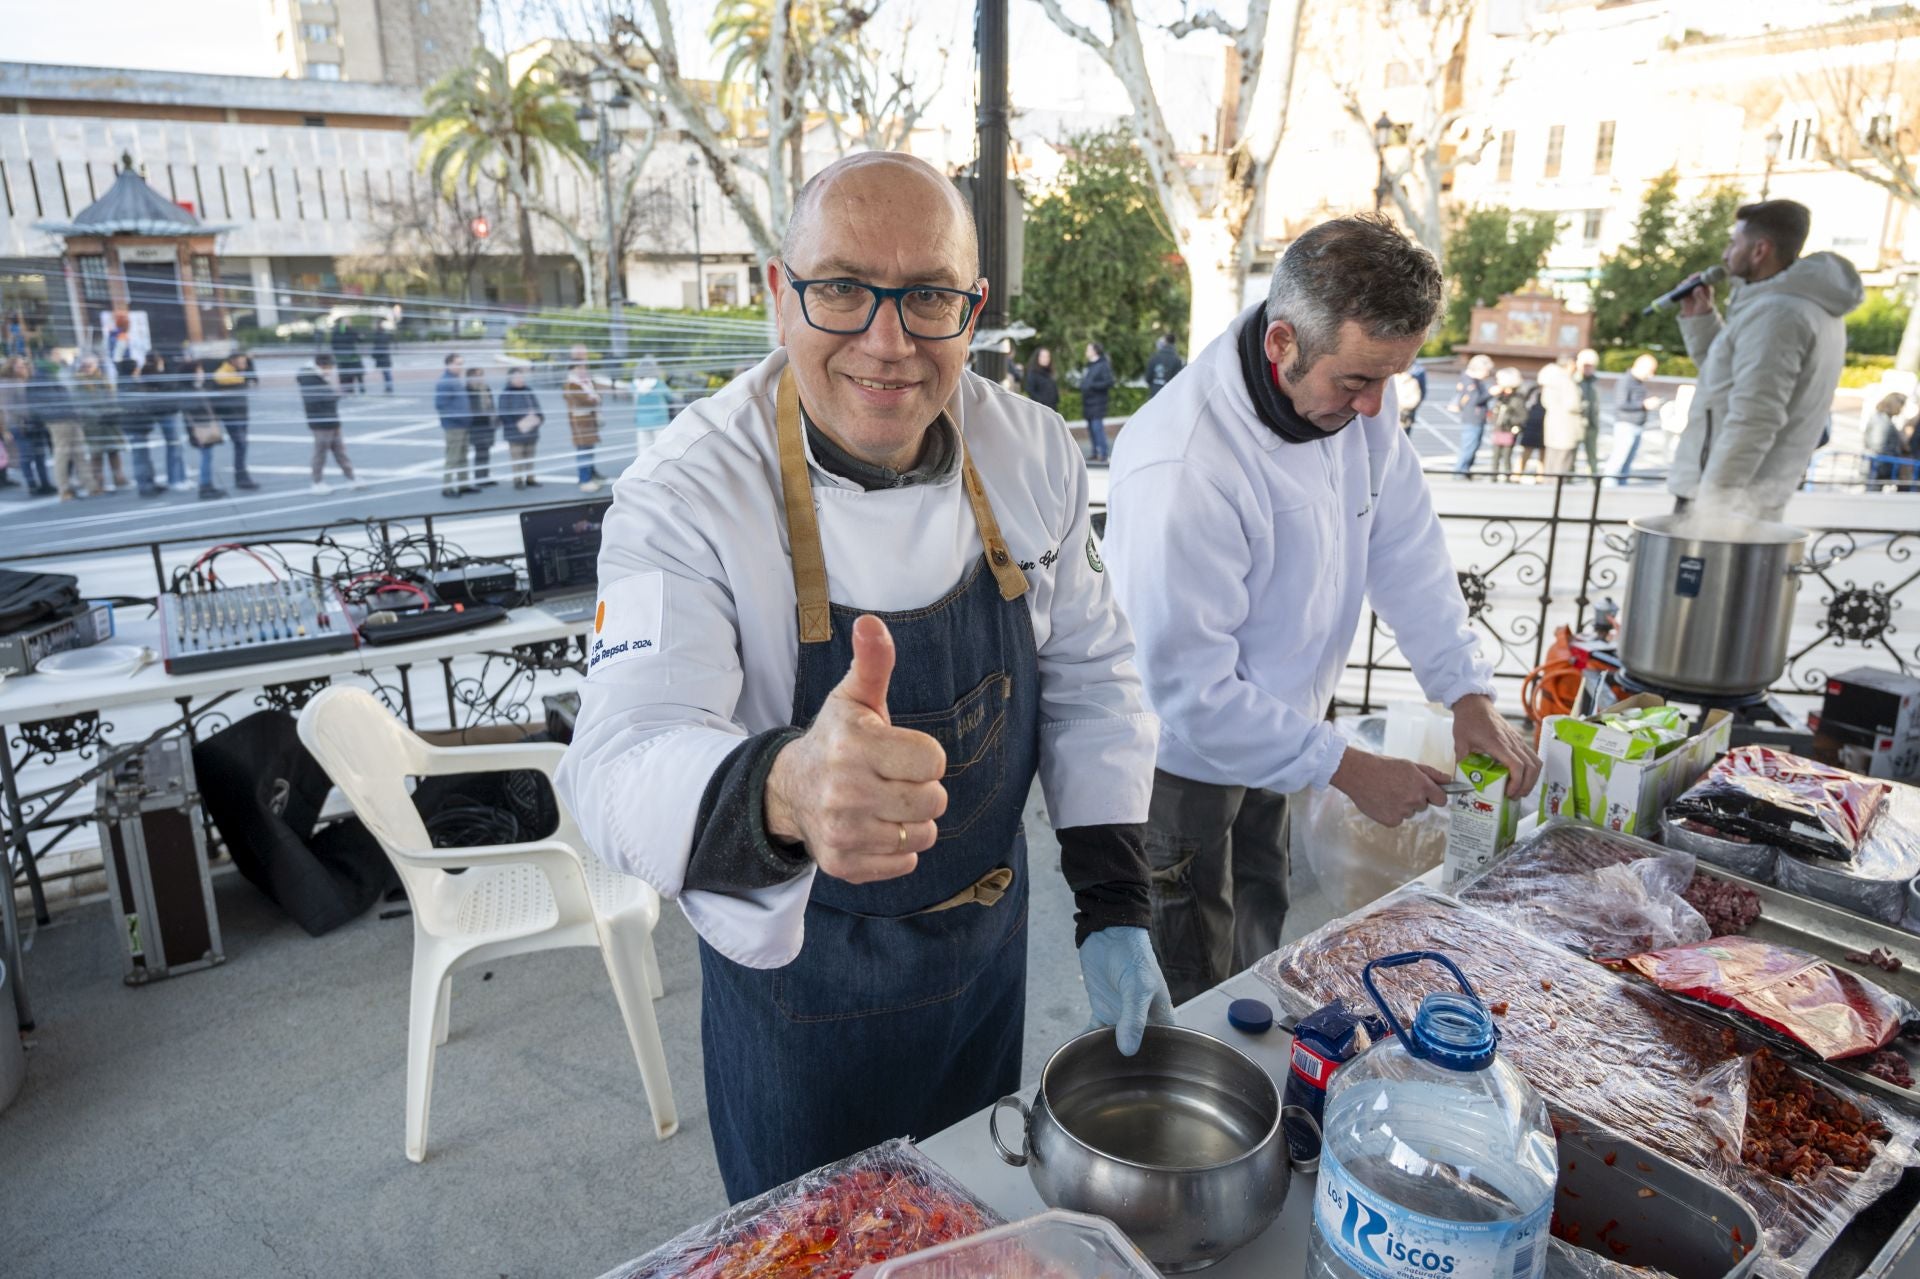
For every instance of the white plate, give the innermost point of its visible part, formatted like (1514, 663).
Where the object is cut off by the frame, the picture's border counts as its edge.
(98, 662)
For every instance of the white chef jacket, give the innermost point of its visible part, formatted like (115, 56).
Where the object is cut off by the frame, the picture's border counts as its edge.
(696, 634)
(1242, 561)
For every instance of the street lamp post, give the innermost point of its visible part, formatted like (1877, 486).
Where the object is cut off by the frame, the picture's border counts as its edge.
(1382, 139)
(1773, 153)
(600, 126)
(699, 259)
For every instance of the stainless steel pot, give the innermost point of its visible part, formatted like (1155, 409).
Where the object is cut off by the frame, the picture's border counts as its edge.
(1179, 1145)
(1710, 602)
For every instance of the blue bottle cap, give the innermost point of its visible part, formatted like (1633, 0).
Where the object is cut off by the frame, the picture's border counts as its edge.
(1454, 1031)
(1250, 1015)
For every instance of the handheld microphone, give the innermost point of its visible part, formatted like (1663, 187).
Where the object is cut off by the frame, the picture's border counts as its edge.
(1673, 297)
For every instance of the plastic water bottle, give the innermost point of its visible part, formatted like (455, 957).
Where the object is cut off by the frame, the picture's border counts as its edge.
(1438, 1160)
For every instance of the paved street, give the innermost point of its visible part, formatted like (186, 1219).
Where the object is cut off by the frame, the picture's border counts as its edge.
(394, 441)
(396, 444)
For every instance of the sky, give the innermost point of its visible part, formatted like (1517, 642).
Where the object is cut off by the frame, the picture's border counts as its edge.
(1049, 74)
(225, 37)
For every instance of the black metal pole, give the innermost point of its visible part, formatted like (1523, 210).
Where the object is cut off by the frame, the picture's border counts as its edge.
(990, 174)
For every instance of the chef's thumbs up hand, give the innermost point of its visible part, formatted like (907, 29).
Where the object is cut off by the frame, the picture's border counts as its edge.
(862, 795)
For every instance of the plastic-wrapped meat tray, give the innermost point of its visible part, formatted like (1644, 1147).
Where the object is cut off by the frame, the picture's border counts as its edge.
(881, 1203)
(1597, 1047)
(1592, 890)
(1834, 934)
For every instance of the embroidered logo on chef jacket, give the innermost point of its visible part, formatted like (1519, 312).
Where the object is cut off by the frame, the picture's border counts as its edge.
(1047, 560)
(1093, 554)
(626, 621)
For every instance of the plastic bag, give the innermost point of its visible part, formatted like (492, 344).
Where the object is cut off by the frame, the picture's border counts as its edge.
(1353, 858)
(1796, 804)
(1592, 890)
(886, 1201)
(1874, 882)
(1597, 1047)
(1830, 1011)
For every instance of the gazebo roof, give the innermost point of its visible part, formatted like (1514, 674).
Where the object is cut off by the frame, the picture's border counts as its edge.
(131, 207)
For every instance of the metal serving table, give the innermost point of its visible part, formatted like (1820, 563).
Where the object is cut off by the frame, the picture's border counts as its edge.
(966, 1151)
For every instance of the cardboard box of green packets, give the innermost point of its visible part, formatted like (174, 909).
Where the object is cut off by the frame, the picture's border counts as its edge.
(1621, 767)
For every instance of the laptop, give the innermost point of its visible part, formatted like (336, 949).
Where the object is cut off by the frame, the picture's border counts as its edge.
(563, 557)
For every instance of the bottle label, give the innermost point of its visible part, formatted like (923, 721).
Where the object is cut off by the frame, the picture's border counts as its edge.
(1383, 1240)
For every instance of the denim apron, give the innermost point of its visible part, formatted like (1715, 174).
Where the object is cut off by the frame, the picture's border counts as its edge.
(904, 1011)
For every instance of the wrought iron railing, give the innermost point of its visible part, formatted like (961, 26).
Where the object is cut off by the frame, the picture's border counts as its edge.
(1525, 574)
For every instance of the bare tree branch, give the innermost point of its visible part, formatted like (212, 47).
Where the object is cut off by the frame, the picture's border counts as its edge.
(1059, 18)
(1208, 20)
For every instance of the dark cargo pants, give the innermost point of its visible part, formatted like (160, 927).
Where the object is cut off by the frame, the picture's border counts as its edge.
(1219, 889)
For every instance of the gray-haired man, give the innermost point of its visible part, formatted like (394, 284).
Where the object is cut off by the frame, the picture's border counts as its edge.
(1254, 507)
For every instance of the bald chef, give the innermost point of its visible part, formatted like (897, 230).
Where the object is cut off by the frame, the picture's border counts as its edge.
(849, 606)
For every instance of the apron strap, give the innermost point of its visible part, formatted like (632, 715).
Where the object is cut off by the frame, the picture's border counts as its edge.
(1013, 583)
(803, 527)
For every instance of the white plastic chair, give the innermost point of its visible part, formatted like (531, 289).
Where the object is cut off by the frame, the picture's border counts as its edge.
(513, 899)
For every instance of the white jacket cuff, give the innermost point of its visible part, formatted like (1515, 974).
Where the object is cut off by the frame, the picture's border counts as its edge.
(1098, 771)
(775, 918)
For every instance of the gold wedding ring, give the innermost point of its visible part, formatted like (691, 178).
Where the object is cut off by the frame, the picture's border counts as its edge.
(903, 839)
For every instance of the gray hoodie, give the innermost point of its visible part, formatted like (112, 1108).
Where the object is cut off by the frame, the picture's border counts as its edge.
(1767, 377)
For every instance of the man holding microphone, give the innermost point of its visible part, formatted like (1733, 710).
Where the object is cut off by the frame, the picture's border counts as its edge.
(1256, 505)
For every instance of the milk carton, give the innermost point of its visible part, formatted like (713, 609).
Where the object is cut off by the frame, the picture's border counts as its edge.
(1481, 820)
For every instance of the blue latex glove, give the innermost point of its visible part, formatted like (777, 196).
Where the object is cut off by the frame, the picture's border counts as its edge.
(1124, 985)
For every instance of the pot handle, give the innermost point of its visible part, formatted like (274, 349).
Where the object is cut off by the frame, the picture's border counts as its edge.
(1617, 544)
(1017, 1158)
(1815, 565)
(1306, 1116)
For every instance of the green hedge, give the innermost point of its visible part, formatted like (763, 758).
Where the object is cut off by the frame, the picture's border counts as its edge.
(1875, 326)
(1120, 402)
(1619, 360)
(550, 335)
(1864, 370)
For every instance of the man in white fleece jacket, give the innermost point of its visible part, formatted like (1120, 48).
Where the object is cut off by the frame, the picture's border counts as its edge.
(1768, 371)
(1256, 506)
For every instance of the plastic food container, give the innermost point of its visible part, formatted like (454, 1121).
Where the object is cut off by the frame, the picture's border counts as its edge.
(1755, 861)
(1053, 1245)
(1626, 1203)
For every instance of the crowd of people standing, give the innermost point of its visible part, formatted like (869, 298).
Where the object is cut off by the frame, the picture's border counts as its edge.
(87, 429)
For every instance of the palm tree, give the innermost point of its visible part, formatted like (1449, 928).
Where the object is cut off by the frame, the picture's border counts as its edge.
(481, 123)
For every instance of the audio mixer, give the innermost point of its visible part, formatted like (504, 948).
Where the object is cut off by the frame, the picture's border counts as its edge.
(204, 630)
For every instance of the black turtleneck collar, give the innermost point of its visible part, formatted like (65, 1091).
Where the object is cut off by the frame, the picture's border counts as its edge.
(1263, 384)
(936, 458)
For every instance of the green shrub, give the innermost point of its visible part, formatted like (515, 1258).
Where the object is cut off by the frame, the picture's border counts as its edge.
(658, 331)
(1875, 326)
(1864, 370)
(1620, 359)
(1121, 401)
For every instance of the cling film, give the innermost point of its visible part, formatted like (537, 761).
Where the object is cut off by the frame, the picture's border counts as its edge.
(1384, 1240)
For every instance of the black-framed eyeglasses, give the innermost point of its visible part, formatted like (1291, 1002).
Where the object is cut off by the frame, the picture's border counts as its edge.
(846, 307)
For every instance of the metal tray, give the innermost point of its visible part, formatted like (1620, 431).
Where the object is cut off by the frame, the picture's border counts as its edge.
(1654, 1212)
(1829, 932)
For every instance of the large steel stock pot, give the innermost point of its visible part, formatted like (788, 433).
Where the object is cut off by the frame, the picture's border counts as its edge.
(1709, 602)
